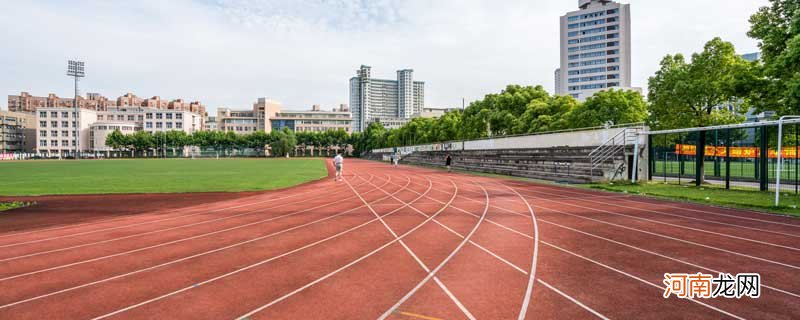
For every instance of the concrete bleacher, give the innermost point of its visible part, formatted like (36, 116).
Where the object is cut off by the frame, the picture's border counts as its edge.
(562, 164)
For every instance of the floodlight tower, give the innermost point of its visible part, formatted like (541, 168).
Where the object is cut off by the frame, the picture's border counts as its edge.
(76, 71)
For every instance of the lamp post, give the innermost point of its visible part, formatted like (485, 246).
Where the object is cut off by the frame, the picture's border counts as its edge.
(75, 69)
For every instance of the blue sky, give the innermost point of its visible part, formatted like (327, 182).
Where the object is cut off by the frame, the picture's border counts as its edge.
(230, 52)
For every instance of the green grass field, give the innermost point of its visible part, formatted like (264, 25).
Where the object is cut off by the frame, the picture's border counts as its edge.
(155, 175)
(739, 169)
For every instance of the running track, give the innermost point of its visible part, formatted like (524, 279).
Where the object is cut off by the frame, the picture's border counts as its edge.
(398, 243)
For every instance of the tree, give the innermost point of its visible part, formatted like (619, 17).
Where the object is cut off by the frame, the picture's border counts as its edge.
(117, 140)
(283, 142)
(690, 94)
(777, 27)
(611, 106)
(141, 141)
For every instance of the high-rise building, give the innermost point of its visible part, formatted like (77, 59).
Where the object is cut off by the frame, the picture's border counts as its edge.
(557, 75)
(595, 48)
(374, 99)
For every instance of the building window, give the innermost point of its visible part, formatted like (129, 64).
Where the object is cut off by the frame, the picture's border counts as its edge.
(169, 116)
(120, 117)
(54, 133)
(54, 124)
(73, 124)
(179, 116)
(73, 133)
(65, 133)
(54, 143)
(43, 143)
(140, 117)
(43, 124)
(169, 125)
(65, 114)
(43, 114)
(43, 133)
(149, 125)
(159, 115)
(179, 125)
(159, 125)
(64, 124)
(74, 115)
(130, 117)
(54, 114)
(149, 116)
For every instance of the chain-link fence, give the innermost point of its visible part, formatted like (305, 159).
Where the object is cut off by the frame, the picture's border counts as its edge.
(733, 157)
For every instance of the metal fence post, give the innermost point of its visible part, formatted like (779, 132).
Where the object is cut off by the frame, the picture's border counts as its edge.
(728, 159)
(700, 155)
(651, 158)
(763, 159)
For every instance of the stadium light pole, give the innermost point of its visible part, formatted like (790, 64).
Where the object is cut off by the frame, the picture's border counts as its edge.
(75, 69)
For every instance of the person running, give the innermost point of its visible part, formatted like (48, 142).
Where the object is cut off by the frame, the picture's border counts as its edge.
(448, 161)
(395, 159)
(338, 162)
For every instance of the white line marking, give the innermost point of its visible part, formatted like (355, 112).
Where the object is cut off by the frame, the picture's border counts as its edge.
(639, 279)
(170, 242)
(109, 220)
(286, 296)
(139, 224)
(444, 288)
(668, 224)
(656, 254)
(152, 232)
(658, 203)
(575, 301)
(441, 264)
(250, 266)
(179, 260)
(676, 239)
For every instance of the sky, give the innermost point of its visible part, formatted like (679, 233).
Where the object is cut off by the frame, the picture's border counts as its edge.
(231, 52)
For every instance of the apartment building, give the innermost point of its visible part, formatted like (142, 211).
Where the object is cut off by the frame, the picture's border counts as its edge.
(17, 132)
(595, 49)
(25, 102)
(315, 120)
(372, 98)
(59, 130)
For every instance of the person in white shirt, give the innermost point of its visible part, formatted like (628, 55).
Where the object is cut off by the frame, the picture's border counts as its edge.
(338, 162)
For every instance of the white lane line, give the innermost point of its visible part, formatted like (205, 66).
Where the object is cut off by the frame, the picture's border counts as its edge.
(663, 236)
(441, 285)
(667, 223)
(575, 301)
(168, 243)
(676, 239)
(110, 220)
(532, 274)
(656, 254)
(441, 264)
(638, 279)
(179, 260)
(633, 199)
(155, 231)
(312, 283)
(258, 263)
(142, 223)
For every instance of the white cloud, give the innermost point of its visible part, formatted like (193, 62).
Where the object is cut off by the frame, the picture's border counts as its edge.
(229, 52)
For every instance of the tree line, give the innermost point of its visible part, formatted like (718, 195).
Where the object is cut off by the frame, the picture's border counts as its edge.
(278, 142)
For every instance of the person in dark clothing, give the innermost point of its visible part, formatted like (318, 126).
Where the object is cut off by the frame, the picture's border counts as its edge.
(448, 161)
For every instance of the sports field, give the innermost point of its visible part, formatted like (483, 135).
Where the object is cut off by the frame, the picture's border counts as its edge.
(402, 243)
(53, 177)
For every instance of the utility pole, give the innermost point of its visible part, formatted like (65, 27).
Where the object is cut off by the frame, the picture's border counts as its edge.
(75, 69)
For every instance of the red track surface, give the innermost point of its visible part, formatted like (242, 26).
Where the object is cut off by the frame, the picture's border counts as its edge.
(395, 243)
